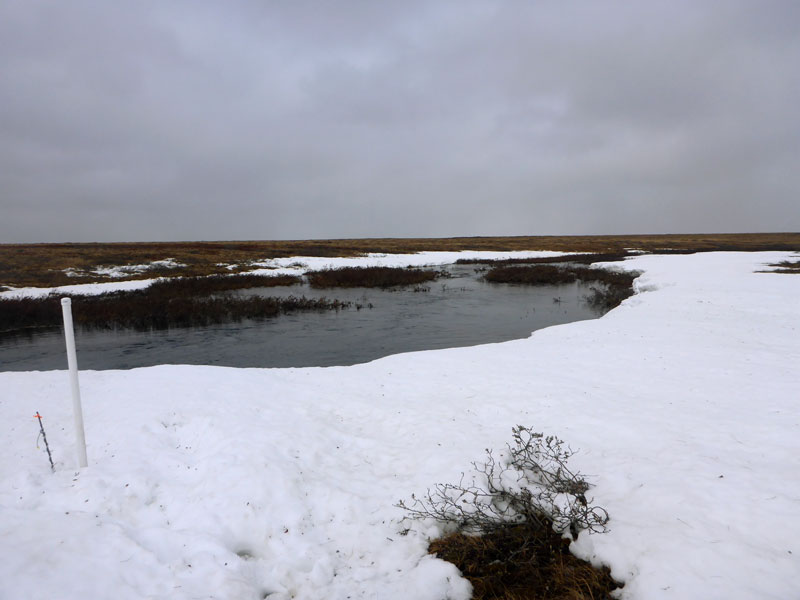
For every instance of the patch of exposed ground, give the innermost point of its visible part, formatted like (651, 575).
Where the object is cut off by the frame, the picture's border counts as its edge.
(524, 562)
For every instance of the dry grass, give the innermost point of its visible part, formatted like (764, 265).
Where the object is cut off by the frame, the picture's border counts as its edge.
(552, 275)
(369, 277)
(43, 264)
(786, 266)
(523, 562)
(183, 302)
(615, 286)
(531, 275)
(135, 310)
(217, 283)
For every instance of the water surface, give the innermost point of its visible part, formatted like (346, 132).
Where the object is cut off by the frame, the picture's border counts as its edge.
(459, 311)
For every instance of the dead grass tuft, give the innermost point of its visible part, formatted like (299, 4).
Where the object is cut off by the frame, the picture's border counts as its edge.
(524, 562)
(786, 266)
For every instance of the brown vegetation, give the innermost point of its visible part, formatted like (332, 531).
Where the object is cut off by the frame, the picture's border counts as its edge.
(218, 283)
(553, 275)
(370, 277)
(44, 264)
(615, 286)
(524, 562)
(786, 266)
(160, 306)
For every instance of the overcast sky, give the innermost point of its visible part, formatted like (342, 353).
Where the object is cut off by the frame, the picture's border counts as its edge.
(190, 120)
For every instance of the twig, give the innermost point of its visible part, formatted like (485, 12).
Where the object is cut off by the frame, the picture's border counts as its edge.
(44, 437)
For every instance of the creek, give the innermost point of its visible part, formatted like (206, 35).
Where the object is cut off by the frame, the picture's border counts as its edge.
(461, 310)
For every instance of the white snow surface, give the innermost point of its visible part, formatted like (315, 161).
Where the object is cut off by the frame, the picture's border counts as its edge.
(209, 482)
(301, 264)
(295, 265)
(125, 270)
(84, 289)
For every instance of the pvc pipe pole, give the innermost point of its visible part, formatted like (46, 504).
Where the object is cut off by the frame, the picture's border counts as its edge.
(72, 361)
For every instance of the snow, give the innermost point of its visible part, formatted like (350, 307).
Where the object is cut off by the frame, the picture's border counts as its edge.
(83, 289)
(208, 482)
(420, 259)
(125, 270)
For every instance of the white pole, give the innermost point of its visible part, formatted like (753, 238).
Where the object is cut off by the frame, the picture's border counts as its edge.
(72, 361)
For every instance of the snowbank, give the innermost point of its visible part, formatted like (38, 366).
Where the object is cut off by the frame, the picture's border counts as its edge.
(280, 483)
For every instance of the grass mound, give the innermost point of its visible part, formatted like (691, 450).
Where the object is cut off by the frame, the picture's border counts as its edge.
(373, 277)
(523, 562)
(553, 275)
(218, 283)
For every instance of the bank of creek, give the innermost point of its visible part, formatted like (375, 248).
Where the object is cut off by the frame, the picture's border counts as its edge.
(457, 310)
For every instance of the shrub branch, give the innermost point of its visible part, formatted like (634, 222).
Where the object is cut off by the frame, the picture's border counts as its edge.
(528, 483)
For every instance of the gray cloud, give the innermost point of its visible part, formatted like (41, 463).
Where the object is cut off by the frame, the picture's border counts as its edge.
(243, 120)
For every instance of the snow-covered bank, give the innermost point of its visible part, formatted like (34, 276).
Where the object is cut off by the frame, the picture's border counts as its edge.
(295, 265)
(236, 483)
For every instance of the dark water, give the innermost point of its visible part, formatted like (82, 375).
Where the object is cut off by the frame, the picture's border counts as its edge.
(460, 311)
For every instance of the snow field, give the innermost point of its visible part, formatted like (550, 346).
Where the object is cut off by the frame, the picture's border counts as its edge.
(244, 483)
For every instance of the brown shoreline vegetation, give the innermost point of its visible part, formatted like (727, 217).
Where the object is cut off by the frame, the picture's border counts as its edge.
(613, 286)
(553, 275)
(43, 265)
(135, 310)
(220, 283)
(182, 302)
(369, 277)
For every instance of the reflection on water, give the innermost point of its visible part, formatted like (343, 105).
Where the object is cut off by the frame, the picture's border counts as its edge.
(460, 311)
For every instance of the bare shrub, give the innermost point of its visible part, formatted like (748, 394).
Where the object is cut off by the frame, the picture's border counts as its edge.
(508, 524)
(529, 482)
